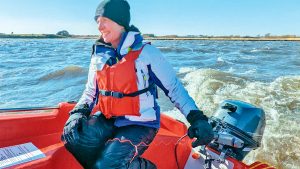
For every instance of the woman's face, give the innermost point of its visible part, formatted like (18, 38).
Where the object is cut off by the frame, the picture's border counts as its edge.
(110, 30)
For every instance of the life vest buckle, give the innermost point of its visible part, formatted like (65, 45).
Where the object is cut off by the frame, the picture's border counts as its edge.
(117, 94)
(106, 93)
(111, 93)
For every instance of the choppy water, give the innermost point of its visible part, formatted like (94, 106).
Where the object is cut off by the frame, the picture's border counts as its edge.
(45, 72)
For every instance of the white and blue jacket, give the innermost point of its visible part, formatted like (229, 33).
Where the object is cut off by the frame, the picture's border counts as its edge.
(151, 67)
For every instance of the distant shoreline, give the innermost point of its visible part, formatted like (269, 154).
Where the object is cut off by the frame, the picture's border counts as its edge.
(172, 37)
(228, 39)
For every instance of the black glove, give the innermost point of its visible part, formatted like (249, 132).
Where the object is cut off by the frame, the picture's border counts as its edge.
(199, 128)
(78, 116)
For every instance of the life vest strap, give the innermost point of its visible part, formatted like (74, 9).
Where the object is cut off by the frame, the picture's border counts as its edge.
(121, 95)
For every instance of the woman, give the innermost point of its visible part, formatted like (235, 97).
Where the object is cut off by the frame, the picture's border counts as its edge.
(122, 80)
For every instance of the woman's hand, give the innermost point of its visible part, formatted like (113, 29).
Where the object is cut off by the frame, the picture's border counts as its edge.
(78, 118)
(200, 128)
(72, 127)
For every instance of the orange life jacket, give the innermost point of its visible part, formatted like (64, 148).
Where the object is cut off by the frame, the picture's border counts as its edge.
(118, 91)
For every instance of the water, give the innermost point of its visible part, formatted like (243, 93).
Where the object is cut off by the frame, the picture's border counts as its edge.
(44, 72)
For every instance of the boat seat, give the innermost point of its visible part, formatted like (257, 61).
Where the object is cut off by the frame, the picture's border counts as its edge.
(57, 156)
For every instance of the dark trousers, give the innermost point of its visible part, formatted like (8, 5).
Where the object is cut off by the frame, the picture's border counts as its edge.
(101, 145)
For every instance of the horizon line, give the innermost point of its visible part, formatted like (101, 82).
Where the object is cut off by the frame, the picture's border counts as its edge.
(168, 35)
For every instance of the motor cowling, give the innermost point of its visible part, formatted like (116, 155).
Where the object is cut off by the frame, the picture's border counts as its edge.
(238, 128)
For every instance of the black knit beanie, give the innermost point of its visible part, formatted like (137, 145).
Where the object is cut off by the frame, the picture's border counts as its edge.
(116, 10)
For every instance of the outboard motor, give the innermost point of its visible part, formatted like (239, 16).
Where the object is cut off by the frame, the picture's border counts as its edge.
(238, 128)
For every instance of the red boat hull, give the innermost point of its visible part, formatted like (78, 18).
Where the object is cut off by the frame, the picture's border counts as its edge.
(43, 128)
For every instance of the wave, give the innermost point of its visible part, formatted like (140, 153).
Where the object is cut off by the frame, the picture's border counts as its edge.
(280, 99)
(184, 70)
(69, 71)
(185, 49)
(265, 50)
(174, 49)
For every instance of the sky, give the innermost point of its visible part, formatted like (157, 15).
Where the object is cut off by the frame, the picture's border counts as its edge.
(160, 17)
